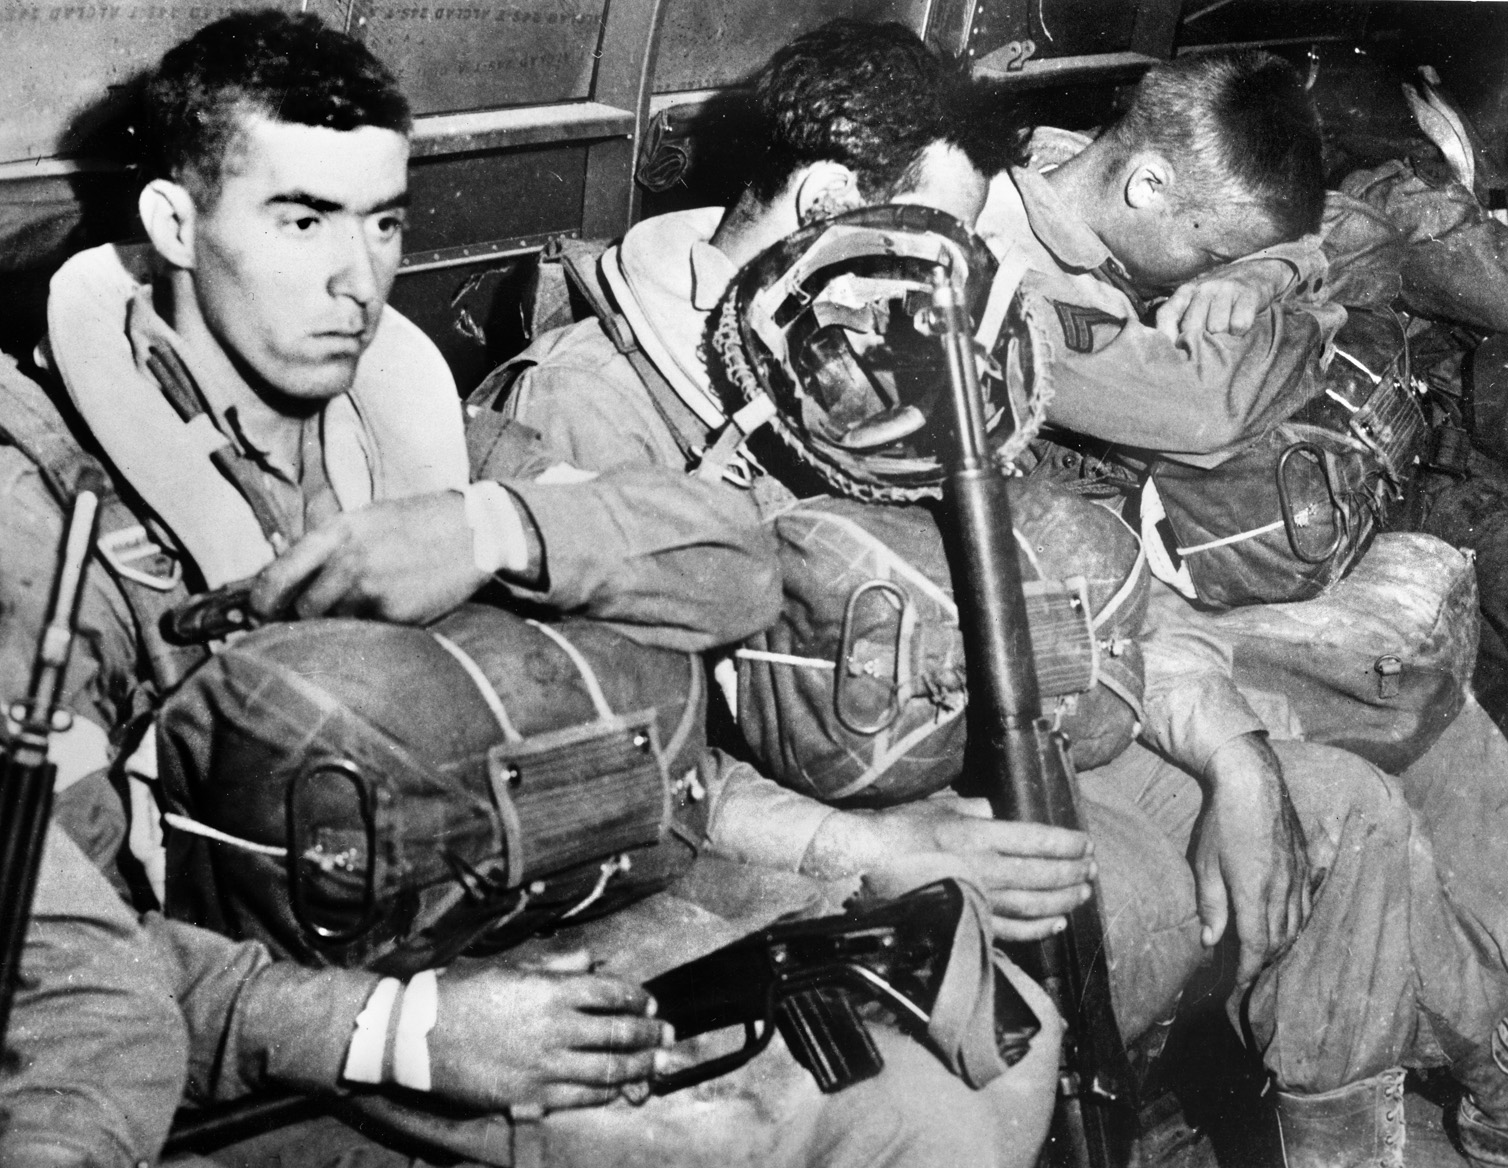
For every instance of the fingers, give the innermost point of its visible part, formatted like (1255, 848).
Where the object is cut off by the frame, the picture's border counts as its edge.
(571, 961)
(1293, 920)
(1169, 316)
(1017, 840)
(614, 1032)
(974, 807)
(1214, 905)
(1254, 928)
(1244, 315)
(569, 1096)
(603, 994)
(1011, 873)
(275, 587)
(333, 590)
(1219, 307)
(1031, 906)
(1278, 905)
(1008, 930)
(607, 1068)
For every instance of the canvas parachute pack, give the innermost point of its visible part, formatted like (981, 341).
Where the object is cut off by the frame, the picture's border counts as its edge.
(358, 793)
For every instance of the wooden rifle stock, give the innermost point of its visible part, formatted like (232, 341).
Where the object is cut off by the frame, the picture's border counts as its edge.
(26, 781)
(1024, 761)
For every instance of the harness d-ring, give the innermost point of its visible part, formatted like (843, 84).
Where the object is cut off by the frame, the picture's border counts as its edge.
(299, 855)
(1290, 522)
(843, 672)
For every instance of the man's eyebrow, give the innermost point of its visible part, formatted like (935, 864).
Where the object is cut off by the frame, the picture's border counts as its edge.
(328, 207)
(301, 199)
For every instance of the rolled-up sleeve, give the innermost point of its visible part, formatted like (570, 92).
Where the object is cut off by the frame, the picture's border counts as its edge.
(253, 1021)
(753, 819)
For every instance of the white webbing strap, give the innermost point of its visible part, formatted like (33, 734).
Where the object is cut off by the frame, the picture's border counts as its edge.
(593, 687)
(194, 827)
(483, 685)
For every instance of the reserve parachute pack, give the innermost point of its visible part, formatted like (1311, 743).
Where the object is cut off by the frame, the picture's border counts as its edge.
(1378, 663)
(1294, 509)
(355, 793)
(856, 694)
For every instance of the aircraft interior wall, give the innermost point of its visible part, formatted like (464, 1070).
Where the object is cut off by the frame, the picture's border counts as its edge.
(546, 119)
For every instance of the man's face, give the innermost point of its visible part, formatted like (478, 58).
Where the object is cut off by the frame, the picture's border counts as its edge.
(948, 181)
(1172, 245)
(294, 261)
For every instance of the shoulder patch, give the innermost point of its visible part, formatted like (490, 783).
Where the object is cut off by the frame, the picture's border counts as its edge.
(1078, 321)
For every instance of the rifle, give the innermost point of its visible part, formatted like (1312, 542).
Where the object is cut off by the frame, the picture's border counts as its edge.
(1023, 761)
(807, 979)
(27, 779)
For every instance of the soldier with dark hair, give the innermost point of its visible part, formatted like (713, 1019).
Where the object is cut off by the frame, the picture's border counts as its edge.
(261, 413)
(1309, 853)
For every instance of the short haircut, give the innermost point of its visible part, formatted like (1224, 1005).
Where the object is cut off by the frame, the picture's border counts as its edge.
(869, 96)
(1240, 126)
(289, 68)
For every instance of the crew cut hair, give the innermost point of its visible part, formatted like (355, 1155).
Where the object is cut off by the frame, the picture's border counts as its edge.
(872, 97)
(287, 67)
(1241, 126)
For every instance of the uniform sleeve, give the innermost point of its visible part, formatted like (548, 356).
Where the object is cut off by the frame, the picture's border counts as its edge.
(667, 558)
(755, 820)
(584, 397)
(101, 1046)
(254, 1022)
(1192, 705)
(670, 560)
(1114, 378)
(1306, 259)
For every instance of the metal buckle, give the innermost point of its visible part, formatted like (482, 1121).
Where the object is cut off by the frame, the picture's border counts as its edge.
(133, 545)
(306, 851)
(1290, 520)
(849, 667)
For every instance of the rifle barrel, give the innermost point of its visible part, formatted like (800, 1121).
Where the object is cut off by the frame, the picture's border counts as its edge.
(1026, 772)
(27, 778)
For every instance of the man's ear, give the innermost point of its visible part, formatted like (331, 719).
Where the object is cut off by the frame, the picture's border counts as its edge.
(825, 190)
(169, 215)
(1149, 182)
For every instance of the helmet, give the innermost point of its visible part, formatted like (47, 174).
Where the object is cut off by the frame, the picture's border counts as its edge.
(830, 325)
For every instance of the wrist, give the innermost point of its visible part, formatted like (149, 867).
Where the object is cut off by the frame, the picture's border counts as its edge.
(503, 538)
(390, 1042)
(1243, 758)
(845, 843)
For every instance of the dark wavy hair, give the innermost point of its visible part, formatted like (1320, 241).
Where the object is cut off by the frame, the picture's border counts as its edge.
(1243, 128)
(870, 96)
(289, 68)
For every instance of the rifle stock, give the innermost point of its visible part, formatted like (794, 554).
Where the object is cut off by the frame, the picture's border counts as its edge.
(26, 782)
(1023, 762)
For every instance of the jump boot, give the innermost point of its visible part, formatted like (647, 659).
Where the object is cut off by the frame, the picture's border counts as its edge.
(1359, 1125)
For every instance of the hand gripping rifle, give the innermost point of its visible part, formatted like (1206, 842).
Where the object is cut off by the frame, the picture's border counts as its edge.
(1024, 761)
(26, 783)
